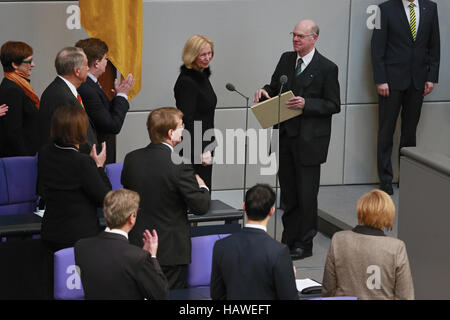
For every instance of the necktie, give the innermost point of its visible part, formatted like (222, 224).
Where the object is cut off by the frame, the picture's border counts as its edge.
(412, 23)
(80, 101)
(298, 69)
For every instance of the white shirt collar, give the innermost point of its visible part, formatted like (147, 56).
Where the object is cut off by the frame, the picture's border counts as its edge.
(406, 3)
(117, 231)
(307, 58)
(70, 85)
(93, 78)
(171, 148)
(256, 226)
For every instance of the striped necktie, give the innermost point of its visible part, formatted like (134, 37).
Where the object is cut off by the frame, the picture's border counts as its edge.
(298, 69)
(412, 23)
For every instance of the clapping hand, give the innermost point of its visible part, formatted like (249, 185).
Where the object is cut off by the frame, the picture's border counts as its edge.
(125, 86)
(150, 242)
(3, 110)
(101, 157)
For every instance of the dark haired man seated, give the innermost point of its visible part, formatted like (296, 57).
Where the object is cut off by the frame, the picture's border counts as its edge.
(250, 265)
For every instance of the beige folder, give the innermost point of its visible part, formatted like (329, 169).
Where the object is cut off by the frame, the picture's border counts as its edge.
(267, 111)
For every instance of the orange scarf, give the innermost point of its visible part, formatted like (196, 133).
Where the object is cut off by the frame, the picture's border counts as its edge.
(21, 79)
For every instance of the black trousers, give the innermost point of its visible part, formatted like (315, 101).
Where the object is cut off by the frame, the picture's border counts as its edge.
(409, 101)
(299, 189)
(176, 276)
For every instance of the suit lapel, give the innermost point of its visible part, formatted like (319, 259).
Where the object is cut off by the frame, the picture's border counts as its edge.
(404, 19)
(423, 17)
(96, 87)
(307, 76)
(67, 90)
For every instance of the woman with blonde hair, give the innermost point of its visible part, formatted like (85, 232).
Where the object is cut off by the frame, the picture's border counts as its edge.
(366, 263)
(196, 98)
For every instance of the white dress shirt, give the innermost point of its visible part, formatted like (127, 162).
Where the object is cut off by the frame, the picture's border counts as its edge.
(408, 12)
(255, 226)
(117, 231)
(306, 59)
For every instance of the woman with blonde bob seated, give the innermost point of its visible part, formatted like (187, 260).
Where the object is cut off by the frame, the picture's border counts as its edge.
(366, 263)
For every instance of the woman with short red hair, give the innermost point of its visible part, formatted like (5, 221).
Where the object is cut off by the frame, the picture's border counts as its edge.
(18, 126)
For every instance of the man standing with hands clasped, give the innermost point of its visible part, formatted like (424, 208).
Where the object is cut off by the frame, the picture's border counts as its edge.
(405, 61)
(304, 139)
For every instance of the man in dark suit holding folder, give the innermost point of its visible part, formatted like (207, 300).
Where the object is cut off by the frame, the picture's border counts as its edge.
(405, 61)
(304, 139)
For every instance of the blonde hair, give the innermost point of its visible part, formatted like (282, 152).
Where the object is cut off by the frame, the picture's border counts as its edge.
(118, 205)
(376, 209)
(193, 47)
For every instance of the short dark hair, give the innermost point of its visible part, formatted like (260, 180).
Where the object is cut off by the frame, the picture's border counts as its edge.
(94, 49)
(69, 125)
(160, 121)
(14, 51)
(259, 199)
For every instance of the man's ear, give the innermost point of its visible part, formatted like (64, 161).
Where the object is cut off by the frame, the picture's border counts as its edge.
(272, 211)
(243, 206)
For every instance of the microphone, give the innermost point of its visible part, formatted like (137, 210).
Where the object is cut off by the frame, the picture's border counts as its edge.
(283, 80)
(231, 87)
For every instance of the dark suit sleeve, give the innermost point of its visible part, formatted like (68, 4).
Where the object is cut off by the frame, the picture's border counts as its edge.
(107, 116)
(151, 280)
(218, 290)
(284, 277)
(13, 121)
(95, 182)
(378, 47)
(197, 199)
(434, 49)
(330, 101)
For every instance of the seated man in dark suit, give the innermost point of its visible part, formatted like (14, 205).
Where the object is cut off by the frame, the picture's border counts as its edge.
(250, 265)
(110, 267)
(107, 116)
(168, 189)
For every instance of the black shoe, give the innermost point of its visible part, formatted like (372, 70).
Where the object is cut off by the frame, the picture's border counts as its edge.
(387, 187)
(299, 253)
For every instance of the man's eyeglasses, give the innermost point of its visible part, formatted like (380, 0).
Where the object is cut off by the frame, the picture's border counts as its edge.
(27, 61)
(301, 36)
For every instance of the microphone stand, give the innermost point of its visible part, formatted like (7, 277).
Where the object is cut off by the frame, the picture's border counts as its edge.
(283, 81)
(232, 88)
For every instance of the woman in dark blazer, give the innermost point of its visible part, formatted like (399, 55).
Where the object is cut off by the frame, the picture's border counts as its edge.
(196, 98)
(19, 127)
(73, 184)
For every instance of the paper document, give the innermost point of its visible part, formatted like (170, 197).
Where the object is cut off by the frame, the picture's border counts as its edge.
(39, 213)
(267, 111)
(305, 283)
